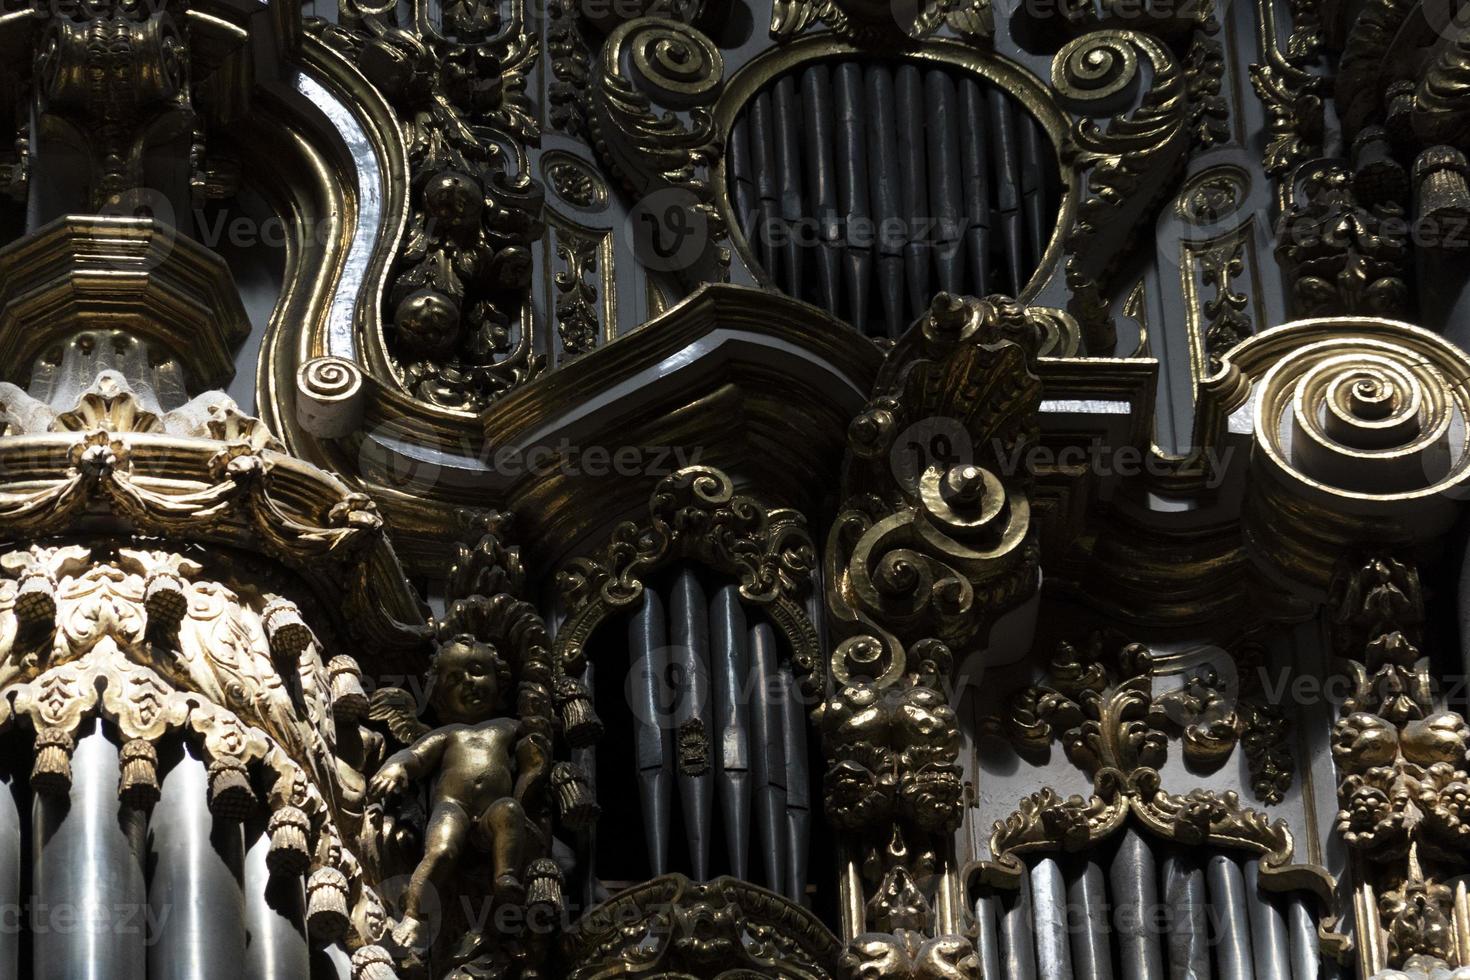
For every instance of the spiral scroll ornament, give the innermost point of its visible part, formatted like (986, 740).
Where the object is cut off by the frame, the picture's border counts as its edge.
(1360, 434)
(1095, 67)
(672, 62)
(329, 396)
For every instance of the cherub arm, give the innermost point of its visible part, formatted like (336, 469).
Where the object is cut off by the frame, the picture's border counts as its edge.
(414, 762)
(533, 766)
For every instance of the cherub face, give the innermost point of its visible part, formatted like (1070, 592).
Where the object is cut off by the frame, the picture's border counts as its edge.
(465, 684)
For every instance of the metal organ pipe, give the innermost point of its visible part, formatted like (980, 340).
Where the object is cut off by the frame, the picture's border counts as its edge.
(653, 748)
(194, 894)
(87, 865)
(275, 916)
(730, 655)
(693, 714)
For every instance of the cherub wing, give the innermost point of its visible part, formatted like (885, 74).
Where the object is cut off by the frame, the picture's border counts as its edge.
(396, 707)
(791, 17)
(971, 18)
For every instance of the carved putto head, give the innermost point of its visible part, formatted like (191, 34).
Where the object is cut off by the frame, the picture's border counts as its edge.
(468, 680)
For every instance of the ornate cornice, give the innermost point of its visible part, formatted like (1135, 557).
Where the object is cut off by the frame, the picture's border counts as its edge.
(207, 473)
(131, 274)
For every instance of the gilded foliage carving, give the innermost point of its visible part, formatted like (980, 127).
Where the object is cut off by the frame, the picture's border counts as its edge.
(457, 289)
(1343, 258)
(1101, 706)
(1127, 167)
(671, 926)
(1404, 788)
(937, 554)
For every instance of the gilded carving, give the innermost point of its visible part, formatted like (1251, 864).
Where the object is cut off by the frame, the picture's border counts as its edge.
(1100, 705)
(939, 553)
(456, 292)
(1127, 168)
(576, 298)
(874, 26)
(1404, 789)
(653, 87)
(696, 514)
(468, 802)
(671, 926)
(1342, 257)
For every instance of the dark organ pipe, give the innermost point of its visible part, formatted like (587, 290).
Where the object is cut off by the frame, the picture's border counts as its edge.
(798, 788)
(885, 178)
(884, 181)
(768, 761)
(730, 656)
(763, 157)
(852, 189)
(653, 748)
(974, 136)
(792, 206)
(1006, 155)
(692, 713)
(945, 196)
(914, 169)
(816, 100)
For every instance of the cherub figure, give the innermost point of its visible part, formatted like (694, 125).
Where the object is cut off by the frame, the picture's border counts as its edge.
(482, 763)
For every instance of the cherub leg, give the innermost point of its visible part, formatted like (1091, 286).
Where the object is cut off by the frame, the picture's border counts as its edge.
(443, 841)
(505, 825)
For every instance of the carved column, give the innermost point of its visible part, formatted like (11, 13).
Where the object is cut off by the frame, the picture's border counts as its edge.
(923, 558)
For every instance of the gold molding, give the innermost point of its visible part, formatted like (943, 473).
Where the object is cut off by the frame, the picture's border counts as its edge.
(131, 274)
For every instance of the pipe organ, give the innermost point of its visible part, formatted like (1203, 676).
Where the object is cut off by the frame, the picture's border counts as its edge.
(706, 490)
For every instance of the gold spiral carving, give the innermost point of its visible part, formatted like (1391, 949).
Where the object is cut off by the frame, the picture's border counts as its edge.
(329, 396)
(1362, 437)
(330, 378)
(1370, 418)
(671, 61)
(1095, 67)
